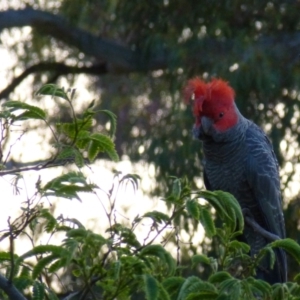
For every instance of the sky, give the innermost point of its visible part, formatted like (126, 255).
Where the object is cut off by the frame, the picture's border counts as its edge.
(90, 212)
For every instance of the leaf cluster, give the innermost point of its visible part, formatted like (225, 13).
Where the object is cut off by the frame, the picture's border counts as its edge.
(116, 263)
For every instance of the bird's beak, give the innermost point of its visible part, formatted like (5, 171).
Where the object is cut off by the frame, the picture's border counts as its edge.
(206, 124)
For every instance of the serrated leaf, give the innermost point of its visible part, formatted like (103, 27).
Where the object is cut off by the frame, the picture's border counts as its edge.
(22, 282)
(192, 207)
(5, 256)
(261, 286)
(219, 277)
(51, 221)
(104, 144)
(116, 266)
(157, 216)
(290, 246)
(233, 209)
(38, 291)
(133, 178)
(43, 249)
(239, 246)
(68, 186)
(173, 285)
(176, 188)
(160, 252)
(51, 295)
(215, 202)
(194, 285)
(31, 112)
(52, 90)
(297, 278)
(200, 259)
(205, 295)
(60, 263)
(76, 272)
(113, 121)
(207, 222)
(232, 287)
(93, 150)
(278, 292)
(151, 287)
(41, 265)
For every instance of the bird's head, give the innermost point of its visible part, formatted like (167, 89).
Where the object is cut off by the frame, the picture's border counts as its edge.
(213, 106)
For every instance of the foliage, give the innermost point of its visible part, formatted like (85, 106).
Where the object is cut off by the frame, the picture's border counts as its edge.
(138, 56)
(116, 263)
(252, 44)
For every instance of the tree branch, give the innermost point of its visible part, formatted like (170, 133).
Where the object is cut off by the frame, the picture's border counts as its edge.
(10, 290)
(103, 49)
(58, 68)
(15, 167)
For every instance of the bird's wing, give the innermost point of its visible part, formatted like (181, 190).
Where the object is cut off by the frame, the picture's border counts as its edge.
(263, 179)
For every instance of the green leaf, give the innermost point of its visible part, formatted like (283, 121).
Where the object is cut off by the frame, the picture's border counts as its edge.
(22, 282)
(93, 150)
(116, 266)
(194, 285)
(43, 249)
(200, 259)
(151, 287)
(173, 285)
(297, 278)
(51, 221)
(219, 277)
(192, 207)
(260, 286)
(103, 143)
(176, 188)
(38, 291)
(207, 222)
(53, 90)
(51, 295)
(278, 292)
(232, 287)
(5, 256)
(160, 252)
(238, 246)
(41, 265)
(211, 198)
(68, 186)
(113, 121)
(31, 112)
(233, 209)
(60, 263)
(157, 216)
(290, 246)
(204, 295)
(133, 178)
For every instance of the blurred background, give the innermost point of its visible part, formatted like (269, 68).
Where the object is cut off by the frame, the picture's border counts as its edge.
(133, 57)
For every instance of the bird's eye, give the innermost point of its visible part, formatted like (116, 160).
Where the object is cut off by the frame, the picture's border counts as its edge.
(221, 115)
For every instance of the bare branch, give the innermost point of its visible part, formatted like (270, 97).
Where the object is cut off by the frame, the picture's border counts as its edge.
(15, 167)
(58, 68)
(103, 49)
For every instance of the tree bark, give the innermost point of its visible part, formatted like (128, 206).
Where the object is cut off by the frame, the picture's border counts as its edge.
(119, 56)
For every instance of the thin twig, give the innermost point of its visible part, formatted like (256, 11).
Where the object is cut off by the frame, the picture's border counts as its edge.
(11, 251)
